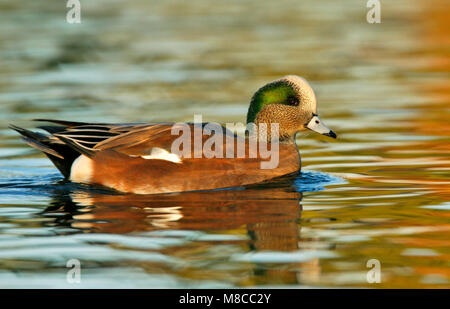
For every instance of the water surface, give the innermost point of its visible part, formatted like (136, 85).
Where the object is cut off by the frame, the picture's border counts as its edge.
(380, 191)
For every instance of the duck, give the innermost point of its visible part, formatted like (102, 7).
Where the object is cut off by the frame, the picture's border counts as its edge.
(141, 158)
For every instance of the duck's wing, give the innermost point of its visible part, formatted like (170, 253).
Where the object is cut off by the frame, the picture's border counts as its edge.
(142, 140)
(85, 137)
(133, 139)
(69, 139)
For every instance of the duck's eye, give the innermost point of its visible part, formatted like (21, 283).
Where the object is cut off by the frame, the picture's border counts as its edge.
(292, 101)
(317, 121)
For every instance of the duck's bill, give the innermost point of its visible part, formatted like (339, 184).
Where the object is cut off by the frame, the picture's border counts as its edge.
(316, 125)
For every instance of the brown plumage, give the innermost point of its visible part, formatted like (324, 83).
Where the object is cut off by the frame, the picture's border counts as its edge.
(139, 158)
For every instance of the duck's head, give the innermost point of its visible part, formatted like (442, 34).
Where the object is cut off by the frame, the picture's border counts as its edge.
(289, 101)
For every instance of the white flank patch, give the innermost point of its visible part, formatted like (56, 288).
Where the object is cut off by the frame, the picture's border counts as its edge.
(81, 170)
(162, 154)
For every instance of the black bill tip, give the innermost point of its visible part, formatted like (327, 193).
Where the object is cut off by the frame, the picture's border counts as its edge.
(331, 134)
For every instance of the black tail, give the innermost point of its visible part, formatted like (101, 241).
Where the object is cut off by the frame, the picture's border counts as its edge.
(60, 154)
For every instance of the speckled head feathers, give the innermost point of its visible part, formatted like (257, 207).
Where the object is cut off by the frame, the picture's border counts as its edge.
(290, 90)
(289, 101)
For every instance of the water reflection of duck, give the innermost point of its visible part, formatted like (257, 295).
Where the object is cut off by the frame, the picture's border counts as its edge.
(266, 218)
(254, 207)
(139, 158)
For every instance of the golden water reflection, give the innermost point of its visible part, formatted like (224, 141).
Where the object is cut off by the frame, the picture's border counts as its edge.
(262, 219)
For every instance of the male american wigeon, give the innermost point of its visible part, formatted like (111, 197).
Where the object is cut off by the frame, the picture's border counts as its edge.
(139, 158)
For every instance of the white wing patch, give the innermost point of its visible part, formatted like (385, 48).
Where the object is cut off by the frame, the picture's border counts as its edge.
(162, 154)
